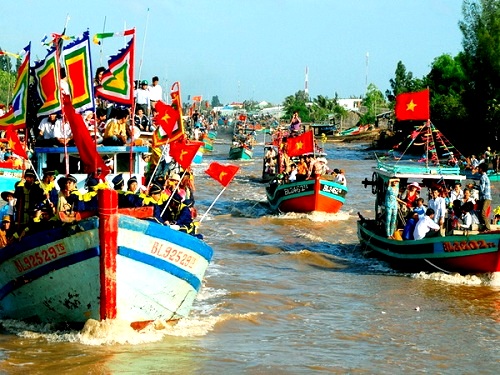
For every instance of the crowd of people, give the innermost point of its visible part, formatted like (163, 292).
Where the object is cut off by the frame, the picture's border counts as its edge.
(37, 204)
(447, 208)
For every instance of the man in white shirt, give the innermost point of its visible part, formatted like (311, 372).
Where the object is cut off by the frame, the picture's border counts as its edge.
(425, 225)
(142, 97)
(438, 205)
(46, 131)
(155, 92)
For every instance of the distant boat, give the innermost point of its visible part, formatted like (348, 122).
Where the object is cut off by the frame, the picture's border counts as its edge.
(240, 153)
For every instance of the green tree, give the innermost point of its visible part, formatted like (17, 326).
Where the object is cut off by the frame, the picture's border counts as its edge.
(373, 101)
(481, 65)
(403, 82)
(447, 85)
(297, 102)
(216, 102)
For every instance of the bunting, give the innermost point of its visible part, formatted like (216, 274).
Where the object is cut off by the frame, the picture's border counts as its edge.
(224, 174)
(14, 55)
(47, 77)
(76, 56)
(117, 83)
(183, 152)
(98, 37)
(412, 106)
(301, 144)
(14, 143)
(92, 162)
(16, 115)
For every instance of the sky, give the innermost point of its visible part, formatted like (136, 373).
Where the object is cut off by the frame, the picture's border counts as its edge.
(252, 49)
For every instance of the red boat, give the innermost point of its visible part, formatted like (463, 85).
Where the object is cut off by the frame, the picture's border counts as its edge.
(320, 195)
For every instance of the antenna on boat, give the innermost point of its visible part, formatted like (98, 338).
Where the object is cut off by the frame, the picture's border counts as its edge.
(143, 44)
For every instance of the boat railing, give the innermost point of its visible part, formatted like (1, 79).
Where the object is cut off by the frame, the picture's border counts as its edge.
(421, 168)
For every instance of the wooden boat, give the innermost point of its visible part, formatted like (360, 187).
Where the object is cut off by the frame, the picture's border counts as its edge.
(316, 195)
(457, 251)
(243, 141)
(112, 265)
(109, 264)
(240, 153)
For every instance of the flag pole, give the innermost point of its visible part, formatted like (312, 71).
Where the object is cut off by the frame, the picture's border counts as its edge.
(215, 200)
(157, 165)
(173, 192)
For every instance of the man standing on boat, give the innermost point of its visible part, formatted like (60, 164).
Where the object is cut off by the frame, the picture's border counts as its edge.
(142, 97)
(155, 92)
(484, 203)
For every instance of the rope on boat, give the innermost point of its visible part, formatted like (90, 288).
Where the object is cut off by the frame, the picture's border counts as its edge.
(433, 265)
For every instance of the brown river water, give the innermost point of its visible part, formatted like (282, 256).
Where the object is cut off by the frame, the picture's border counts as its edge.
(289, 294)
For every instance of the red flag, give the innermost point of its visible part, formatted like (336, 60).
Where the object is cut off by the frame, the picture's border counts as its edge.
(412, 106)
(91, 160)
(224, 174)
(301, 144)
(197, 98)
(14, 143)
(184, 152)
(166, 117)
(175, 94)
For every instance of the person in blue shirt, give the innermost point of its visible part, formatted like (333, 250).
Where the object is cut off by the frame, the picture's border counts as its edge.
(391, 207)
(484, 203)
(411, 223)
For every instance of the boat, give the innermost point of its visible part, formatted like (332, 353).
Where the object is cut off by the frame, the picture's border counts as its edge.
(111, 265)
(243, 142)
(317, 195)
(355, 130)
(320, 193)
(240, 153)
(457, 251)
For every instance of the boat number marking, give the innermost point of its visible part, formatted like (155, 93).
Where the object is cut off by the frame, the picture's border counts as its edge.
(39, 257)
(173, 255)
(295, 189)
(467, 245)
(332, 189)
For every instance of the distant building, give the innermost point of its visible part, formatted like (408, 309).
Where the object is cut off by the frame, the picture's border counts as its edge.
(350, 104)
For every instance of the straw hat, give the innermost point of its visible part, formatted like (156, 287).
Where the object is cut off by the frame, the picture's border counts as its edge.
(415, 184)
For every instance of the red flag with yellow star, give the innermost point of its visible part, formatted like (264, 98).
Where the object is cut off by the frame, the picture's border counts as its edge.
(184, 152)
(412, 106)
(14, 143)
(301, 144)
(166, 117)
(224, 174)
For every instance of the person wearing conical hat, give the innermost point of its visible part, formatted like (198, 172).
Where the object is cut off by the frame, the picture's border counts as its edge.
(8, 208)
(5, 231)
